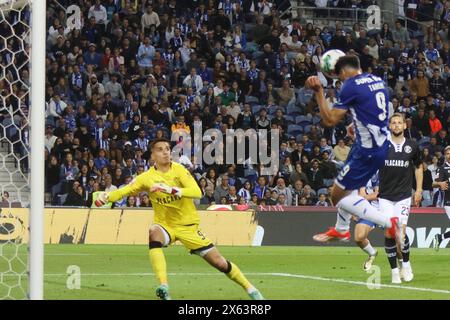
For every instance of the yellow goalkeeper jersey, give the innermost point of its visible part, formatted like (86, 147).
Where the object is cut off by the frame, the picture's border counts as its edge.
(169, 209)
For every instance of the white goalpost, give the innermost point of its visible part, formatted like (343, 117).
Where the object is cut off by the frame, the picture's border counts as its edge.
(22, 164)
(37, 133)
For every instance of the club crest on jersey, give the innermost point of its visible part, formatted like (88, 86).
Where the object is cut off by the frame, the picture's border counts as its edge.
(408, 149)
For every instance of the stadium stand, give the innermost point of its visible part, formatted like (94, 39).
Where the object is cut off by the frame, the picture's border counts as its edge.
(137, 70)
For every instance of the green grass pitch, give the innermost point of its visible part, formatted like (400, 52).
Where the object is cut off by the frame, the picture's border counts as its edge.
(124, 272)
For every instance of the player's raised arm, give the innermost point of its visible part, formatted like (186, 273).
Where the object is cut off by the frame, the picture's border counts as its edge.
(330, 117)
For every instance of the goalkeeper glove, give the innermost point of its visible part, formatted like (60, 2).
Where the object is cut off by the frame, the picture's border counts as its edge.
(102, 199)
(161, 187)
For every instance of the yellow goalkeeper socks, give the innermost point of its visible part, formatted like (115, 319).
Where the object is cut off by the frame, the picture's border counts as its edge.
(158, 262)
(235, 274)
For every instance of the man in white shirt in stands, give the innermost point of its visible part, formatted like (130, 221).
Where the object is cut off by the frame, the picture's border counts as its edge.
(194, 81)
(99, 13)
(56, 107)
(108, 184)
(50, 138)
(149, 18)
(145, 55)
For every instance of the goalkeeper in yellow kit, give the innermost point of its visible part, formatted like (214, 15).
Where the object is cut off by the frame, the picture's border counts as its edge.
(171, 189)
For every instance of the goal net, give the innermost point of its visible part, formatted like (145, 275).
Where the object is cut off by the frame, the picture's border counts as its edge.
(15, 141)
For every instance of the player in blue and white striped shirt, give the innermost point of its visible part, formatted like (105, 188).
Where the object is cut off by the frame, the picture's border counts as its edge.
(366, 97)
(363, 226)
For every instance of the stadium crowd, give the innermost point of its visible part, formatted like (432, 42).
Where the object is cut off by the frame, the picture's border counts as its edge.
(136, 70)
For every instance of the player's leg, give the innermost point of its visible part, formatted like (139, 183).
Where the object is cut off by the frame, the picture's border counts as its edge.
(447, 211)
(402, 209)
(341, 231)
(439, 238)
(194, 239)
(350, 203)
(232, 271)
(159, 237)
(362, 230)
(390, 245)
(358, 170)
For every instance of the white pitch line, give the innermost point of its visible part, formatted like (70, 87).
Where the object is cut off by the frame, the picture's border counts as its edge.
(289, 275)
(72, 254)
(360, 283)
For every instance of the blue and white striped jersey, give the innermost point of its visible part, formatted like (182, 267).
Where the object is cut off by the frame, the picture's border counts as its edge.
(373, 183)
(367, 98)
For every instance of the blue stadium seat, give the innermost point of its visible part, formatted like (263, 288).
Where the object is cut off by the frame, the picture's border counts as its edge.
(316, 120)
(272, 110)
(251, 99)
(289, 119)
(307, 129)
(293, 111)
(294, 130)
(256, 108)
(303, 120)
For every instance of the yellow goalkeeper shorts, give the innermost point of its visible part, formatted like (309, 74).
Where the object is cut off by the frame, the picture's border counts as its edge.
(190, 236)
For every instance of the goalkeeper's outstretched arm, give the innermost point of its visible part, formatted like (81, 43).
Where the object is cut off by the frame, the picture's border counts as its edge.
(134, 187)
(113, 196)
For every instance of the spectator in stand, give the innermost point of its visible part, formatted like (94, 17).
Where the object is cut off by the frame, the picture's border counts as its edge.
(420, 85)
(246, 192)
(421, 123)
(410, 131)
(98, 11)
(145, 55)
(208, 197)
(115, 89)
(400, 33)
(75, 197)
(437, 84)
(281, 189)
(261, 188)
(322, 202)
(233, 197)
(435, 123)
(193, 81)
(340, 152)
(315, 175)
(149, 19)
(222, 190)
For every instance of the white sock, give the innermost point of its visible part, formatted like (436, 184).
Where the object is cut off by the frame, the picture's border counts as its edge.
(251, 290)
(362, 208)
(395, 270)
(406, 265)
(343, 220)
(370, 250)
